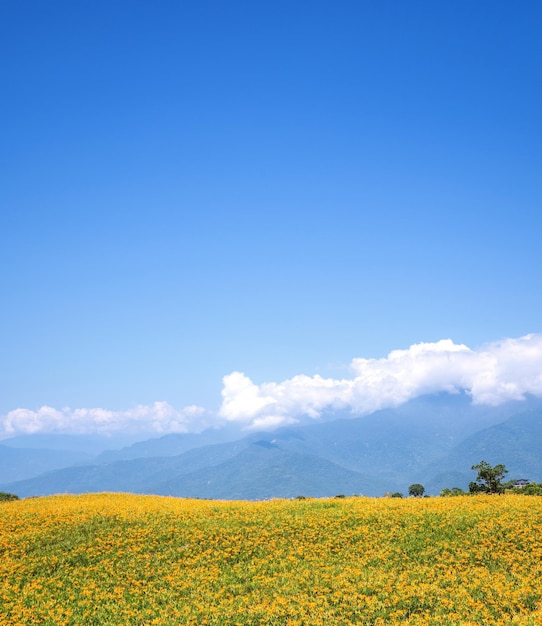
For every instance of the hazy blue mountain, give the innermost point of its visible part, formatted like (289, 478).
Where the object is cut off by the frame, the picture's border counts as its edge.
(430, 417)
(21, 463)
(435, 484)
(264, 471)
(396, 443)
(136, 475)
(87, 444)
(259, 470)
(170, 445)
(433, 440)
(516, 442)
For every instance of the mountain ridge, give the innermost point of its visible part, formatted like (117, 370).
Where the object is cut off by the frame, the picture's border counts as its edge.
(424, 441)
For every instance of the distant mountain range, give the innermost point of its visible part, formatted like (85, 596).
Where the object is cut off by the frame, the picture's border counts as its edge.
(433, 440)
(21, 463)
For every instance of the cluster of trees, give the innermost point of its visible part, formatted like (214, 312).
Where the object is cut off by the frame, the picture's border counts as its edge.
(490, 480)
(6, 497)
(532, 489)
(416, 491)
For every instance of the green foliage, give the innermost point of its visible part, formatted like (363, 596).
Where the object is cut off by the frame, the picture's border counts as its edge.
(532, 489)
(416, 490)
(454, 491)
(7, 497)
(489, 479)
(396, 494)
(509, 485)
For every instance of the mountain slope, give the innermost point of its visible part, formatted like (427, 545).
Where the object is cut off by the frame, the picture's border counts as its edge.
(517, 443)
(86, 444)
(396, 443)
(169, 445)
(260, 470)
(136, 475)
(22, 463)
(263, 471)
(434, 440)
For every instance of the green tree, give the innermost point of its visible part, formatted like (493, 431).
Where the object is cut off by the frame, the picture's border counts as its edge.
(489, 479)
(509, 485)
(6, 497)
(454, 491)
(532, 489)
(416, 490)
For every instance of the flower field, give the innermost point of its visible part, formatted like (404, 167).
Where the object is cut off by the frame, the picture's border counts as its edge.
(124, 559)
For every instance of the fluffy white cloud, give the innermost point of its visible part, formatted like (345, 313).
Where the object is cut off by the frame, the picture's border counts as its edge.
(160, 417)
(500, 371)
(495, 373)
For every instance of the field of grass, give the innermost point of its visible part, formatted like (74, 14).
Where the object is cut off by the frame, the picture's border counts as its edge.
(125, 559)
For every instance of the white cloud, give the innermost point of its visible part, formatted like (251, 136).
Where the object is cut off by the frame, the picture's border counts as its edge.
(160, 417)
(495, 373)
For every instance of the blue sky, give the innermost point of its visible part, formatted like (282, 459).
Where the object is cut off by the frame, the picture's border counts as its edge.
(191, 189)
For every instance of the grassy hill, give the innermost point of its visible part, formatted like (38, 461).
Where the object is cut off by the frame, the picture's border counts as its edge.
(116, 559)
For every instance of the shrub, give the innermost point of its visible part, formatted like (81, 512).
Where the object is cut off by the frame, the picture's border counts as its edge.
(532, 489)
(454, 491)
(7, 497)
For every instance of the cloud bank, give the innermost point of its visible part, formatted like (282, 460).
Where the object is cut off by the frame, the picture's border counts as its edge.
(159, 418)
(496, 373)
(493, 374)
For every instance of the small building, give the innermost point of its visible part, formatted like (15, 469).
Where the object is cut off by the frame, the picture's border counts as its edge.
(521, 482)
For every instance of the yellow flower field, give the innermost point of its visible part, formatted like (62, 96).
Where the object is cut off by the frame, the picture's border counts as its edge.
(124, 559)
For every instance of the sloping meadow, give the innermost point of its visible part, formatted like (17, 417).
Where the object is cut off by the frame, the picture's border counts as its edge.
(124, 559)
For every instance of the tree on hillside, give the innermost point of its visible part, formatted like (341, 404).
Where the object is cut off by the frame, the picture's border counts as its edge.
(6, 497)
(454, 491)
(416, 490)
(489, 479)
(532, 489)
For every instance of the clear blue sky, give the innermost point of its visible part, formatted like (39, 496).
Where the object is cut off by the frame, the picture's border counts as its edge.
(192, 188)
